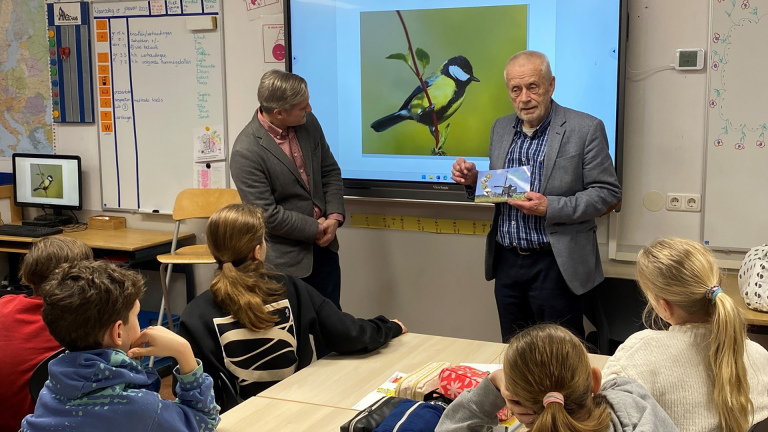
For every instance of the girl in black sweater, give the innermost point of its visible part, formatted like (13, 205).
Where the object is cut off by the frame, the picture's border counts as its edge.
(254, 327)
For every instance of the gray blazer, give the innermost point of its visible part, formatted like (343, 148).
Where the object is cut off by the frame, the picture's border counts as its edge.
(265, 176)
(580, 184)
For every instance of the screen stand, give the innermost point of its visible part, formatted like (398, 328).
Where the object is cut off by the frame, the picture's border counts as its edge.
(56, 219)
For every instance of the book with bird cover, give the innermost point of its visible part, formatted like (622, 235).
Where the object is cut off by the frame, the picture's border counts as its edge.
(503, 185)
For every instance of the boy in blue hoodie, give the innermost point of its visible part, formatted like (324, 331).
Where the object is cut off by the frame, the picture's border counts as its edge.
(91, 308)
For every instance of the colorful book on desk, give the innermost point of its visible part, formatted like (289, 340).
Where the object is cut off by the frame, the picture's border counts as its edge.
(503, 185)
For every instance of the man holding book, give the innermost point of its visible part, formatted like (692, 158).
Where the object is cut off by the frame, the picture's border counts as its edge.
(542, 251)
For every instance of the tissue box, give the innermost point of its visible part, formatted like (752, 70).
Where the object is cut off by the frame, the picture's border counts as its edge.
(104, 222)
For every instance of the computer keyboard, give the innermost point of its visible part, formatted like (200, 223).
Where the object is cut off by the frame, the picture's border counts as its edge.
(28, 231)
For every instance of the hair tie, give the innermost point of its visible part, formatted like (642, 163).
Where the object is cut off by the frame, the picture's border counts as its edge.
(713, 291)
(553, 397)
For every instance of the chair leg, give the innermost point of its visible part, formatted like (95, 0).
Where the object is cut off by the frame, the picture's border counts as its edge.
(166, 270)
(165, 280)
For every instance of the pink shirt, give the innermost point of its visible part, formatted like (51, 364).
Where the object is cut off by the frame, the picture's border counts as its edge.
(290, 145)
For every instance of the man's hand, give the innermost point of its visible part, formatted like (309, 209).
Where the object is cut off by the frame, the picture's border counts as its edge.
(536, 204)
(320, 229)
(524, 415)
(161, 342)
(329, 228)
(464, 173)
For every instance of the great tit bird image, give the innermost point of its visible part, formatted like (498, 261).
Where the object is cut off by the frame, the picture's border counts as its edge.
(446, 89)
(45, 184)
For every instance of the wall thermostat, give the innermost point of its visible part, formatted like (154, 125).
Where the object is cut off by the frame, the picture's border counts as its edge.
(689, 59)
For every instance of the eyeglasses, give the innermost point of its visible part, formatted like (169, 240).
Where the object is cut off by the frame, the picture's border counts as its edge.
(516, 91)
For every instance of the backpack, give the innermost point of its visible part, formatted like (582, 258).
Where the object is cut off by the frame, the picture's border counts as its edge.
(753, 278)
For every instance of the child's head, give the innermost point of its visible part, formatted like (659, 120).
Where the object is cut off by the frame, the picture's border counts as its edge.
(236, 238)
(548, 358)
(47, 254)
(235, 232)
(680, 272)
(92, 304)
(681, 279)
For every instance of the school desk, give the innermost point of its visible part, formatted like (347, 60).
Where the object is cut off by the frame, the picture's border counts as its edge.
(260, 414)
(132, 247)
(341, 381)
(321, 396)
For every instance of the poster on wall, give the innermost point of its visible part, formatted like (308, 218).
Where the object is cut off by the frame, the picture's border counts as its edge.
(258, 8)
(273, 37)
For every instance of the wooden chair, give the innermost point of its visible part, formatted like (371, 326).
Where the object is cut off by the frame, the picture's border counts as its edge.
(190, 204)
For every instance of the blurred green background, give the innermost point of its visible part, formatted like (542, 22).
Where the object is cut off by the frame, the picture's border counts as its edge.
(56, 189)
(486, 36)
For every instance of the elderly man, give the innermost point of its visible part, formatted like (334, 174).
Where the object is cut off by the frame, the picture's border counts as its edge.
(282, 163)
(542, 252)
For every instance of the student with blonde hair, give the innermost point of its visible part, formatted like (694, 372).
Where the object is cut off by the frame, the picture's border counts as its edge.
(548, 383)
(25, 341)
(701, 369)
(254, 327)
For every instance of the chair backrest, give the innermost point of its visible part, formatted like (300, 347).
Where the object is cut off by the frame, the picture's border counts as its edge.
(40, 375)
(202, 203)
(615, 307)
(226, 396)
(760, 426)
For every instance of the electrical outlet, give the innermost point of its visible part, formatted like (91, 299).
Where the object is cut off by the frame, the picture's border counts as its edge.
(674, 202)
(691, 203)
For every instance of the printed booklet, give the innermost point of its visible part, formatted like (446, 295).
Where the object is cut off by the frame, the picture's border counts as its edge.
(503, 185)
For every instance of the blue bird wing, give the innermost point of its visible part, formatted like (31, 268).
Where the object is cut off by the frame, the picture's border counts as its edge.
(418, 90)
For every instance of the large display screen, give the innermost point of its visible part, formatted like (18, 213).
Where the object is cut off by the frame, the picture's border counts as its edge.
(365, 91)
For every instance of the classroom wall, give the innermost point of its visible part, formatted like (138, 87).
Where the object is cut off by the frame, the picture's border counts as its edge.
(435, 283)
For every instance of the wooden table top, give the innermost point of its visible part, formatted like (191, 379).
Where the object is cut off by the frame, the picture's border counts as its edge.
(341, 381)
(129, 240)
(125, 239)
(259, 414)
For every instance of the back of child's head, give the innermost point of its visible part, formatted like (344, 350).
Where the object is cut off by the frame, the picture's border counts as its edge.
(548, 358)
(241, 284)
(685, 274)
(47, 254)
(82, 300)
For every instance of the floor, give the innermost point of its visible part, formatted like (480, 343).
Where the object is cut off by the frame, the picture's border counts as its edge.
(165, 388)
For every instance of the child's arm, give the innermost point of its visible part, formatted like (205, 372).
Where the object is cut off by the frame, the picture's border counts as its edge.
(343, 333)
(195, 409)
(474, 410)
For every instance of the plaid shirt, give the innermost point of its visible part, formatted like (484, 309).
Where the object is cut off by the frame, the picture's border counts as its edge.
(515, 227)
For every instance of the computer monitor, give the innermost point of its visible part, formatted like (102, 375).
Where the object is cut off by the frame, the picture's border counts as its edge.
(49, 182)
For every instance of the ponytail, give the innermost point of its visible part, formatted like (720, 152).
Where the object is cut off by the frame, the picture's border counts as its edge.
(726, 356)
(241, 284)
(245, 292)
(555, 417)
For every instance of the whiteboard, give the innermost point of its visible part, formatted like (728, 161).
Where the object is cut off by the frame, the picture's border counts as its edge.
(735, 207)
(161, 101)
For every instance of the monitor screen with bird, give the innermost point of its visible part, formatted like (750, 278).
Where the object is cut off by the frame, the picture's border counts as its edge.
(47, 181)
(404, 87)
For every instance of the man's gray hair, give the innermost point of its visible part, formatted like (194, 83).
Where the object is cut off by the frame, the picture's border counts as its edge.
(546, 69)
(281, 90)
